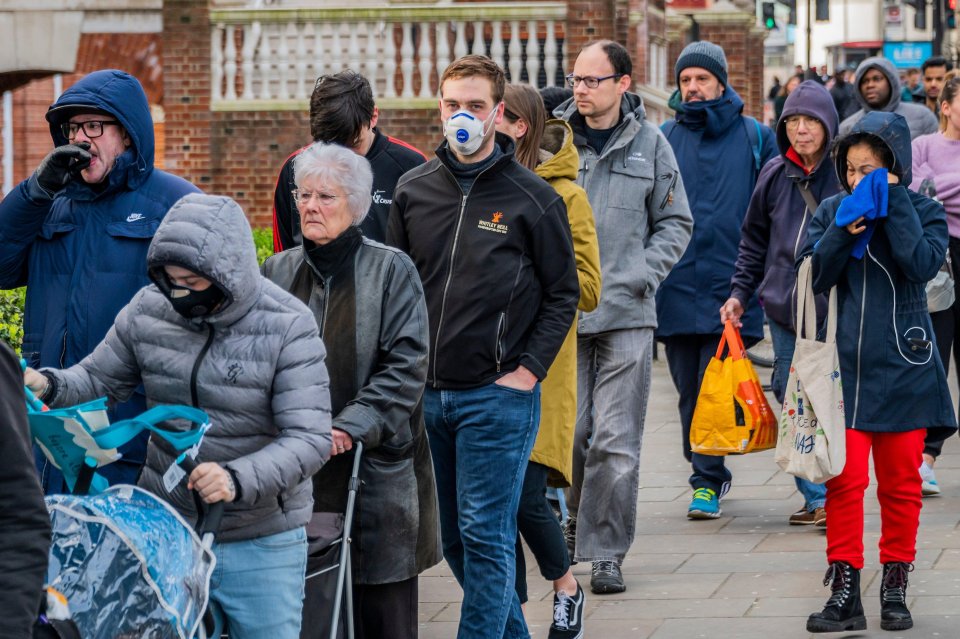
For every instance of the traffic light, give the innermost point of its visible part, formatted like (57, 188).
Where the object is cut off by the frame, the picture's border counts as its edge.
(920, 13)
(951, 14)
(769, 21)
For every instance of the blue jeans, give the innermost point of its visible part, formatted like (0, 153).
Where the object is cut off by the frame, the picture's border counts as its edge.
(784, 341)
(257, 586)
(481, 439)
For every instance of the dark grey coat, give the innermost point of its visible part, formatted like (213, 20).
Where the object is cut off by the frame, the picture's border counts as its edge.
(373, 318)
(256, 366)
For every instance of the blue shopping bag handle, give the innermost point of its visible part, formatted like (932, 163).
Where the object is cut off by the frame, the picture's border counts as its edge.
(121, 432)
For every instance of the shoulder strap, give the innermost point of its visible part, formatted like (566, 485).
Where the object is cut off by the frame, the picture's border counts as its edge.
(808, 197)
(668, 127)
(755, 135)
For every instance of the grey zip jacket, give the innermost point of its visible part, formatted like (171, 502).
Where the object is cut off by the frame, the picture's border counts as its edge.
(255, 365)
(642, 216)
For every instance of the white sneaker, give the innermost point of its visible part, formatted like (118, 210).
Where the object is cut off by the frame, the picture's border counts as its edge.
(929, 487)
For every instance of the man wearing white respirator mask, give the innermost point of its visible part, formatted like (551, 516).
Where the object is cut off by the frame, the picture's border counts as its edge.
(492, 244)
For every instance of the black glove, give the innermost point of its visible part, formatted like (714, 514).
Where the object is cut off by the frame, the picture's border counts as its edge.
(61, 165)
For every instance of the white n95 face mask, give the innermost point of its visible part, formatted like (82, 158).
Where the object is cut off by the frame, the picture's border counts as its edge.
(465, 132)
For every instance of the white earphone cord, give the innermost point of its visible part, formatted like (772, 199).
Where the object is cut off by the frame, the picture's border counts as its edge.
(893, 317)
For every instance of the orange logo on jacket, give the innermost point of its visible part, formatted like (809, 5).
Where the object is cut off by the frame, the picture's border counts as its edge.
(494, 224)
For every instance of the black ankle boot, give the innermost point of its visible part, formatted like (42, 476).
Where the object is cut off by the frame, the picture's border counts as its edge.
(893, 597)
(844, 610)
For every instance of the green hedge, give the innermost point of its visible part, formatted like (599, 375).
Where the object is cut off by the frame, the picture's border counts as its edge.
(11, 302)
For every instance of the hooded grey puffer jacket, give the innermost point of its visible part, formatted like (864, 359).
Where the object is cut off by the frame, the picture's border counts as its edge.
(920, 119)
(256, 366)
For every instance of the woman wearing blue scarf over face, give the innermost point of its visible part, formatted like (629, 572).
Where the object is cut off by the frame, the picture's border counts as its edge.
(879, 243)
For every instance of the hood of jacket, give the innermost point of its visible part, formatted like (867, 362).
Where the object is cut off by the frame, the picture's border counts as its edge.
(886, 68)
(210, 235)
(811, 99)
(632, 112)
(121, 95)
(713, 116)
(558, 155)
(893, 130)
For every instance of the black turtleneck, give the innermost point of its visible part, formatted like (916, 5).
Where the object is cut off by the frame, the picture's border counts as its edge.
(466, 174)
(328, 258)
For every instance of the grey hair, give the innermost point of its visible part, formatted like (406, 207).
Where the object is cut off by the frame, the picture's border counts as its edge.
(338, 165)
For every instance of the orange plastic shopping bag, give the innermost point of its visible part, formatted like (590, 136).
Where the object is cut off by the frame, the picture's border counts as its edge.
(732, 415)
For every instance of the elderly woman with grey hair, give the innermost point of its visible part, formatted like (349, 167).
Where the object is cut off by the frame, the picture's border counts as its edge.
(369, 304)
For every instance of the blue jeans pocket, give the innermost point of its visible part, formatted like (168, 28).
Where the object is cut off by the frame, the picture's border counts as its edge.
(517, 391)
(286, 539)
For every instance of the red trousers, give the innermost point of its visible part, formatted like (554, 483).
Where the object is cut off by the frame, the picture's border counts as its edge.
(896, 460)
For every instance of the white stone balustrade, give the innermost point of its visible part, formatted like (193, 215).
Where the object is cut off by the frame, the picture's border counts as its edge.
(269, 59)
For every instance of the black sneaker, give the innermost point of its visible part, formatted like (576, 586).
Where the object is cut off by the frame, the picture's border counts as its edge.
(567, 616)
(570, 536)
(606, 578)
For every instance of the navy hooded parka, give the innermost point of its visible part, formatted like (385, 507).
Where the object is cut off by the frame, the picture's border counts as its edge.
(83, 254)
(716, 159)
(890, 383)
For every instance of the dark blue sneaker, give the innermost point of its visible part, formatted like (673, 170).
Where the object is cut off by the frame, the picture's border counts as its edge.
(705, 504)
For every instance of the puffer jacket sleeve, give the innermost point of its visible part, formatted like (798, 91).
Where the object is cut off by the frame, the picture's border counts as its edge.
(586, 247)
(301, 414)
(830, 246)
(392, 393)
(671, 223)
(918, 230)
(24, 523)
(111, 370)
(21, 218)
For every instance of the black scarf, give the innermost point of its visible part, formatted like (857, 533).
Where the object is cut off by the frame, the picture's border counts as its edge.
(330, 257)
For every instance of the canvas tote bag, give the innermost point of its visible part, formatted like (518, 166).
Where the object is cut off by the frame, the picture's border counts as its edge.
(812, 435)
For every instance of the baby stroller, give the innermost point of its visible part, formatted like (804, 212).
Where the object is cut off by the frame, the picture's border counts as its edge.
(328, 600)
(125, 562)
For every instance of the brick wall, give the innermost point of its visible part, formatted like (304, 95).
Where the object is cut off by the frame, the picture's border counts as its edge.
(136, 53)
(742, 42)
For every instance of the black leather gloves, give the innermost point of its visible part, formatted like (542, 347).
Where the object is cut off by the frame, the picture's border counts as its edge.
(60, 166)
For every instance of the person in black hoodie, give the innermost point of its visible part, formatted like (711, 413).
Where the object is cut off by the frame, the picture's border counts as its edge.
(788, 192)
(24, 523)
(493, 247)
(342, 111)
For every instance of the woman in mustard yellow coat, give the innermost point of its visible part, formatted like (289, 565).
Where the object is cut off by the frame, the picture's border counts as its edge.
(547, 148)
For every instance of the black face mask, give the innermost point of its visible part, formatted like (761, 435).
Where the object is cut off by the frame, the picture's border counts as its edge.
(192, 304)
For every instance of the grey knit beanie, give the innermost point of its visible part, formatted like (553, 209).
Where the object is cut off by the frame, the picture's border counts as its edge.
(705, 55)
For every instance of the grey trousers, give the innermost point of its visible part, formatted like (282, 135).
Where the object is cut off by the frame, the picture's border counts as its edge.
(613, 384)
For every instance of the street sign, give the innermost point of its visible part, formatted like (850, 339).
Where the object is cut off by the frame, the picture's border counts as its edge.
(906, 55)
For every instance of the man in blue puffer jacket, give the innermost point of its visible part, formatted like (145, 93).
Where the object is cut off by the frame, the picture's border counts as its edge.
(77, 231)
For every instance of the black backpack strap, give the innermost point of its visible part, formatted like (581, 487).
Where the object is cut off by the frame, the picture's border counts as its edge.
(755, 135)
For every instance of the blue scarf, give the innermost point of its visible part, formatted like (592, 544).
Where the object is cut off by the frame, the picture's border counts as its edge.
(869, 201)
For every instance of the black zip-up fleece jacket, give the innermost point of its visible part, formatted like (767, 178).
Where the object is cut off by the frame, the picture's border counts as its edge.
(389, 159)
(497, 267)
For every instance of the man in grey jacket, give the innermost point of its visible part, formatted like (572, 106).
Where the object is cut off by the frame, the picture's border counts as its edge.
(214, 332)
(878, 89)
(643, 225)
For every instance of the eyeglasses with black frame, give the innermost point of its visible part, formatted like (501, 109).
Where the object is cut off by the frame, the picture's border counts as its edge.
(589, 80)
(302, 198)
(91, 128)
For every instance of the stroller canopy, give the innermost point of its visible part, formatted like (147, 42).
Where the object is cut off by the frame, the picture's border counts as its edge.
(129, 565)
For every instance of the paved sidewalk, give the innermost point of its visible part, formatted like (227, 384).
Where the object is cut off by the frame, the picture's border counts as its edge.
(747, 575)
